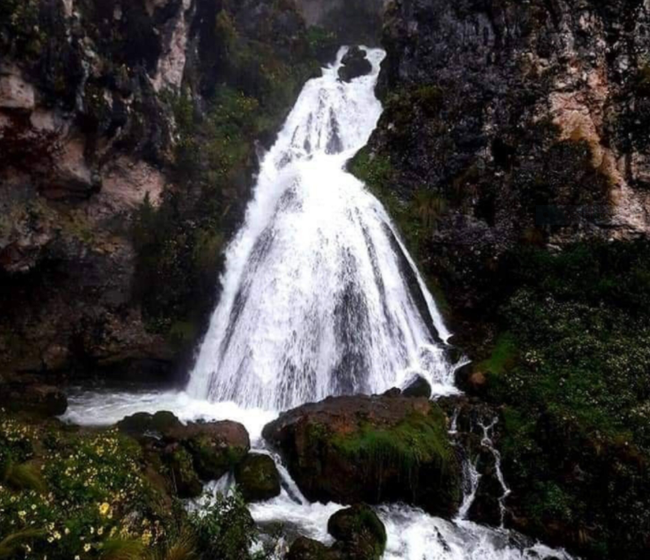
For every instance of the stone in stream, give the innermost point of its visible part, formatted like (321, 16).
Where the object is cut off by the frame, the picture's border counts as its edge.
(355, 64)
(258, 478)
(371, 449)
(359, 534)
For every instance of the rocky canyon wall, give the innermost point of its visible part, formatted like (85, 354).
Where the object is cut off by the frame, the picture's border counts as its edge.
(127, 135)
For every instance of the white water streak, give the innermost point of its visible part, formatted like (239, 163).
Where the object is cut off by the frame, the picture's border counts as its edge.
(316, 295)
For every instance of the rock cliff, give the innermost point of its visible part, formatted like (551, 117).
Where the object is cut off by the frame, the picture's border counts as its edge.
(112, 219)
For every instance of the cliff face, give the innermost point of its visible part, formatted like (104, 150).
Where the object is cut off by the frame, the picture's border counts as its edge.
(514, 154)
(510, 122)
(353, 21)
(118, 180)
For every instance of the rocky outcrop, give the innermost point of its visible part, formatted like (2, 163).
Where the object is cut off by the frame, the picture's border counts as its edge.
(355, 64)
(111, 221)
(370, 449)
(352, 21)
(508, 124)
(194, 452)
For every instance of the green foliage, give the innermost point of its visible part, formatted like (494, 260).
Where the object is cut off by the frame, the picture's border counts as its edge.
(418, 439)
(20, 19)
(582, 324)
(88, 497)
(26, 476)
(573, 370)
(225, 530)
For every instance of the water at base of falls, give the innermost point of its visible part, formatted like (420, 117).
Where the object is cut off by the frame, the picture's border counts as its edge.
(319, 296)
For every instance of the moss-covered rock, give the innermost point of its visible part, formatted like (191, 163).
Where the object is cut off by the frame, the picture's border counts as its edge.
(258, 478)
(308, 549)
(181, 468)
(361, 535)
(371, 449)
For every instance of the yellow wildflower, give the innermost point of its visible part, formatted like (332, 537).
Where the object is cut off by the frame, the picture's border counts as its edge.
(104, 508)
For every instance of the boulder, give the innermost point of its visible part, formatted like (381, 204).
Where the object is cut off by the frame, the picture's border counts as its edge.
(184, 477)
(355, 64)
(309, 549)
(258, 478)
(215, 447)
(35, 398)
(15, 93)
(371, 449)
(143, 424)
(360, 534)
(418, 387)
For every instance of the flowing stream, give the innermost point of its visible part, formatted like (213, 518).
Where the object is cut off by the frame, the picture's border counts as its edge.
(320, 297)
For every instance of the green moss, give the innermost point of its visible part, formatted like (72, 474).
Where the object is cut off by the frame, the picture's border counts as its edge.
(417, 440)
(502, 357)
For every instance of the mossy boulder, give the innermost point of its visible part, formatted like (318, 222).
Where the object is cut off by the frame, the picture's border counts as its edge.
(360, 533)
(309, 549)
(181, 469)
(258, 478)
(142, 424)
(215, 447)
(371, 449)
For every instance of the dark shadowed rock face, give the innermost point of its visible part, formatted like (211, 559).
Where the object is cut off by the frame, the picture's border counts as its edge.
(418, 387)
(353, 21)
(370, 449)
(355, 64)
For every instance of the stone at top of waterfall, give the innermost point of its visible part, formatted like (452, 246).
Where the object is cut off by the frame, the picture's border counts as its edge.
(372, 449)
(418, 386)
(355, 64)
(258, 478)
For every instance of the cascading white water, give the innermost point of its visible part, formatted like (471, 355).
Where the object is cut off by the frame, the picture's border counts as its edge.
(317, 295)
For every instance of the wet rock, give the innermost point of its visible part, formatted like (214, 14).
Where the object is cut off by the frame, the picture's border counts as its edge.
(355, 64)
(184, 477)
(309, 549)
(33, 397)
(15, 93)
(370, 449)
(142, 424)
(258, 478)
(361, 535)
(418, 387)
(215, 447)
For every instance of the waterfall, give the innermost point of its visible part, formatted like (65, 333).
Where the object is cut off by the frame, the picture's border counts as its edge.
(318, 292)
